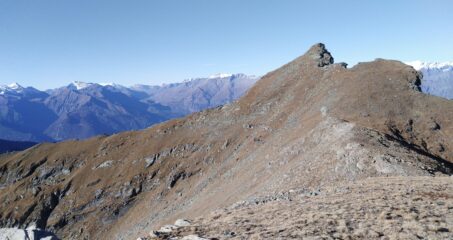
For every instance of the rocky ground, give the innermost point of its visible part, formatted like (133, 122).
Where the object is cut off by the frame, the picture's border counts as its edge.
(375, 208)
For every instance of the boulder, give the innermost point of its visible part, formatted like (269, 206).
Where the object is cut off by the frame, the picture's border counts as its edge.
(182, 223)
(149, 162)
(27, 234)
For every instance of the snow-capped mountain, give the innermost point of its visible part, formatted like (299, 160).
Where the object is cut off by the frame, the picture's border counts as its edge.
(13, 88)
(444, 66)
(437, 77)
(79, 85)
(16, 90)
(81, 110)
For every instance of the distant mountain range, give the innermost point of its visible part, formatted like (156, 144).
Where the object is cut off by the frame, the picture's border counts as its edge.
(81, 110)
(11, 146)
(437, 77)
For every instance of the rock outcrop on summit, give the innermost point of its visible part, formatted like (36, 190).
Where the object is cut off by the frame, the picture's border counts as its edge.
(309, 125)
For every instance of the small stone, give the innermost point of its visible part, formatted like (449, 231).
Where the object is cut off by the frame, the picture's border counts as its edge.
(434, 126)
(229, 233)
(182, 223)
(65, 171)
(167, 229)
(149, 162)
(153, 234)
(105, 164)
(193, 237)
(98, 193)
(441, 148)
(323, 111)
(226, 144)
(128, 192)
(35, 191)
(442, 229)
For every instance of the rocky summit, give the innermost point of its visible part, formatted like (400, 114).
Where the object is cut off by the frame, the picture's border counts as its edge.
(313, 150)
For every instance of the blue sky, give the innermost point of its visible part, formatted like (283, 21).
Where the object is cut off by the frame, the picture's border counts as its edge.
(49, 43)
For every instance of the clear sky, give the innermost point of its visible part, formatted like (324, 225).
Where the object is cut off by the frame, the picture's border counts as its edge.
(49, 43)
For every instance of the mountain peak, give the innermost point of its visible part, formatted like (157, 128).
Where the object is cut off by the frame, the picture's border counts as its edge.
(15, 86)
(319, 53)
(78, 85)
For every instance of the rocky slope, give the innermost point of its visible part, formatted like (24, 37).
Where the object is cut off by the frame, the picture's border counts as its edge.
(376, 208)
(306, 125)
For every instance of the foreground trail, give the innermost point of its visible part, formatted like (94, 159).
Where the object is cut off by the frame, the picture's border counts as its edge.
(374, 208)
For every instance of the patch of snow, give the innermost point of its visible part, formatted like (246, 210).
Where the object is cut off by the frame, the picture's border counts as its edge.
(220, 75)
(111, 84)
(418, 65)
(81, 85)
(15, 86)
(11, 88)
(184, 81)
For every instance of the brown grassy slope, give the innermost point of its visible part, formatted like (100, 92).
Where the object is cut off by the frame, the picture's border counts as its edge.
(375, 208)
(307, 124)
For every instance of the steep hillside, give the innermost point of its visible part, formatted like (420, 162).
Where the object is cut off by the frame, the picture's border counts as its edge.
(308, 124)
(96, 110)
(201, 93)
